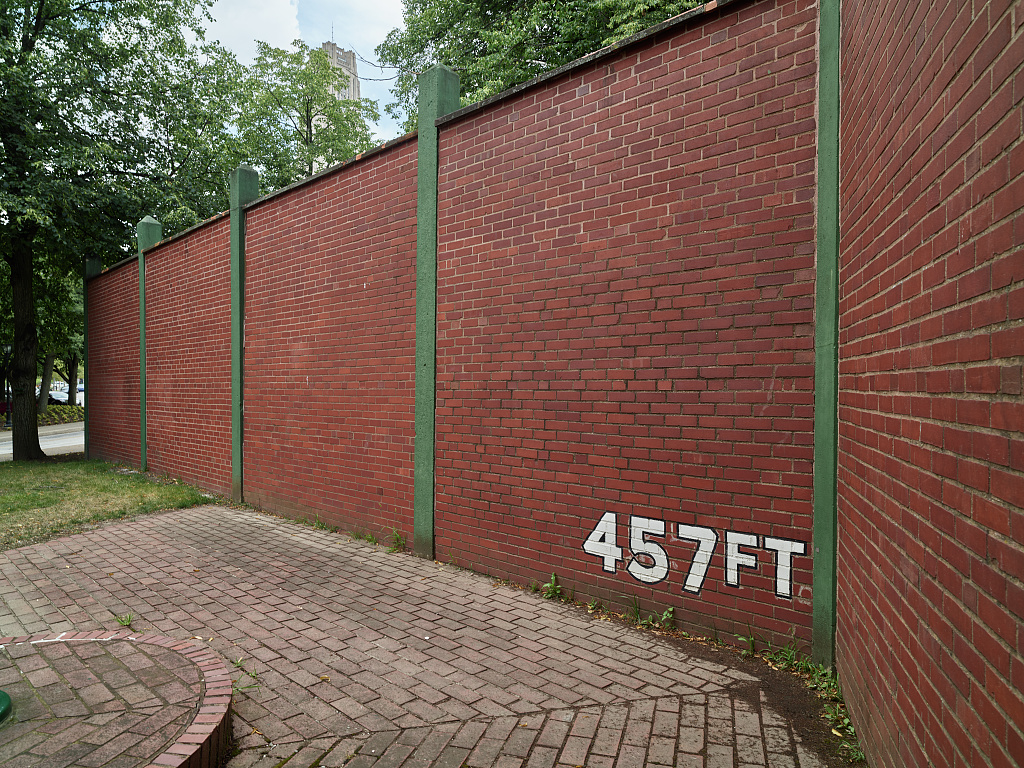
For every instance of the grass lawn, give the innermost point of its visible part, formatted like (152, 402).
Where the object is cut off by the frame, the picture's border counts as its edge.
(43, 500)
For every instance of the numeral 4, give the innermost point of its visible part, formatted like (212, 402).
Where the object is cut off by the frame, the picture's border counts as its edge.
(602, 542)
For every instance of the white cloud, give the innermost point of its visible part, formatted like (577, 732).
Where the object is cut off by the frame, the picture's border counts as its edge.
(239, 23)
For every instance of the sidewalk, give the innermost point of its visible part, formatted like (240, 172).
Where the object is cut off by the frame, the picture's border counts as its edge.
(53, 439)
(365, 658)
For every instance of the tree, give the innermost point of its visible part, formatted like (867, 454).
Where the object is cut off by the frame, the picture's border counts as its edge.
(495, 44)
(291, 125)
(191, 102)
(60, 315)
(70, 149)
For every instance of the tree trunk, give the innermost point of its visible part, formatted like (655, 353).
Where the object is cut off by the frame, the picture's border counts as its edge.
(26, 346)
(44, 385)
(73, 379)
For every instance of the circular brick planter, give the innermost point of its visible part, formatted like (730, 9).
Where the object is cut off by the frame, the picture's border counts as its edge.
(158, 701)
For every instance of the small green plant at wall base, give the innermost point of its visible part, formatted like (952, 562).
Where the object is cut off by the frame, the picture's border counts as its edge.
(632, 614)
(397, 541)
(665, 621)
(751, 650)
(320, 525)
(552, 589)
(594, 606)
(822, 680)
(370, 538)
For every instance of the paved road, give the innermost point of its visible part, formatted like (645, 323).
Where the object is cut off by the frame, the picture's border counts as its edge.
(368, 659)
(56, 439)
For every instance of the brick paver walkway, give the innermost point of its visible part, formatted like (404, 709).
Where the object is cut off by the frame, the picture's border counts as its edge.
(365, 658)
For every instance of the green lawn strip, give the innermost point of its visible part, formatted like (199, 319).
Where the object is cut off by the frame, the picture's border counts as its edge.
(43, 500)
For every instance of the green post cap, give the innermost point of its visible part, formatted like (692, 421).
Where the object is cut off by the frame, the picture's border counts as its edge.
(5, 706)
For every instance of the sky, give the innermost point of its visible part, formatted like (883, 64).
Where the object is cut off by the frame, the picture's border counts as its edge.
(358, 25)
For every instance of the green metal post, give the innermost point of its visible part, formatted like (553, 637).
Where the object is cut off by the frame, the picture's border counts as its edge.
(826, 342)
(93, 267)
(244, 184)
(438, 96)
(148, 233)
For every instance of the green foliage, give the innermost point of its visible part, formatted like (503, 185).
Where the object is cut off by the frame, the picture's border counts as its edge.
(125, 620)
(61, 414)
(397, 541)
(632, 614)
(291, 125)
(552, 590)
(77, 110)
(191, 143)
(665, 621)
(748, 639)
(635, 616)
(239, 663)
(822, 680)
(495, 44)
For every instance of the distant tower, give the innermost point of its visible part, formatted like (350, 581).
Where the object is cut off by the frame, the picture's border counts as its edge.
(346, 62)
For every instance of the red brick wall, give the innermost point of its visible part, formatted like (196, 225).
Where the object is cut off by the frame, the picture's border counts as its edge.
(188, 354)
(625, 290)
(112, 366)
(931, 479)
(330, 346)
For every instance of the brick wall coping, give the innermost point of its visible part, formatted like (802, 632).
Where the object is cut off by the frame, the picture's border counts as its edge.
(177, 236)
(361, 157)
(609, 50)
(590, 58)
(123, 262)
(204, 740)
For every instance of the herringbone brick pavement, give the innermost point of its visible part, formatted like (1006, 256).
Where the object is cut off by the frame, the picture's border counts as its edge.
(363, 658)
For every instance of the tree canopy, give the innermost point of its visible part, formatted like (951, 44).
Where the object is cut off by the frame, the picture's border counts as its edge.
(495, 44)
(291, 125)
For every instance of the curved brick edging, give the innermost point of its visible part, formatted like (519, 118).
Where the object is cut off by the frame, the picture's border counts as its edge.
(205, 739)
